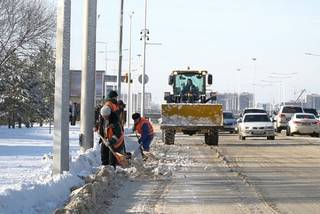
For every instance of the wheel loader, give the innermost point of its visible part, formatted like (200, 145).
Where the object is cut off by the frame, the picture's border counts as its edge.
(189, 109)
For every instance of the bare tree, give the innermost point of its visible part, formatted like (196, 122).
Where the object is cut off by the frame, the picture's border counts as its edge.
(25, 26)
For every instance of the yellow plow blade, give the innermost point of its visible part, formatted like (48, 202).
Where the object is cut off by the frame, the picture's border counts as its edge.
(190, 114)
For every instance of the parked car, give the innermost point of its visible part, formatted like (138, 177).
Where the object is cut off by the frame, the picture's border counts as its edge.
(284, 115)
(229, 122)
(304, 123)
(256, 125)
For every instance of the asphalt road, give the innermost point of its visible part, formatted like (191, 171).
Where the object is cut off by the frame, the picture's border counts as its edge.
(251, 176)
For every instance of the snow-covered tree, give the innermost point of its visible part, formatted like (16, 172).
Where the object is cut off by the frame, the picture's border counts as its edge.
(26, 60)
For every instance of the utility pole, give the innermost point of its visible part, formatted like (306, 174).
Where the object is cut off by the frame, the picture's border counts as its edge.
(120, 50)
(238, 106)
(253, 82)
(62, 89)
(129, 75)
(145, 37)
(88, 74)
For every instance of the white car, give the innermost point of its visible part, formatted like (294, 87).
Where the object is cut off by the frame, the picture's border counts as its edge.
(256, 125)
(284, 115)
(304, 123)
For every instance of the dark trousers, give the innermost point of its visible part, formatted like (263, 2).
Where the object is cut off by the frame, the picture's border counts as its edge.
(105, 154)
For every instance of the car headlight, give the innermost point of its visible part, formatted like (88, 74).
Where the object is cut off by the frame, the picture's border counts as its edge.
(247, 127)
(269, 127)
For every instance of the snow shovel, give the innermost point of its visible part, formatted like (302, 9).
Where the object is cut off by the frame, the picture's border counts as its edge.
(121, 159)
(145, 155)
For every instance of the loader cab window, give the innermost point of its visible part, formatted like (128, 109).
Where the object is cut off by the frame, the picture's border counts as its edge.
(189, 82)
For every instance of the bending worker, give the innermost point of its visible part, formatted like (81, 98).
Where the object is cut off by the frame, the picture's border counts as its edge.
(114, 134)
(143, 127)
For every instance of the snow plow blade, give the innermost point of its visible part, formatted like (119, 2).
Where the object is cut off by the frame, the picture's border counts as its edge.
(193, 114)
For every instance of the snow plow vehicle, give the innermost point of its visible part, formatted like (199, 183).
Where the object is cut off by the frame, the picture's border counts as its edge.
(188, 109)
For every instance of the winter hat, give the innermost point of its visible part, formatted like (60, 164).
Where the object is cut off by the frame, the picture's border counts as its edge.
(136, 116)
(112, 94)
(105, 111)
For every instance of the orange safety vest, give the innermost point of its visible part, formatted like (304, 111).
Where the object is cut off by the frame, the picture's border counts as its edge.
(139, 125)
(110, 136)
(114, 107)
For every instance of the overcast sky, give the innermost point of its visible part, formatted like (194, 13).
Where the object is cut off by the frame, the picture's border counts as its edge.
(217, 35)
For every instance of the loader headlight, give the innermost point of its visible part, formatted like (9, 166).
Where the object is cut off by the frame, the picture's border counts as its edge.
(204, 73)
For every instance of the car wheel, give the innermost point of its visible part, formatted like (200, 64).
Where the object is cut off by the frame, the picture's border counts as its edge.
(288, 131)
(270, 138)
(278, 129)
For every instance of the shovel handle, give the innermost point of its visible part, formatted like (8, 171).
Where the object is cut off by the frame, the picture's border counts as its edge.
(118, 156)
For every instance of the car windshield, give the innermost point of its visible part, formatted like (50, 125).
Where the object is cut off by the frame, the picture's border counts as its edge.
(227, 115)
(305, 116)
(291, 109)
(257, 118)
(181, 82)
(254, 111)
(310, 111)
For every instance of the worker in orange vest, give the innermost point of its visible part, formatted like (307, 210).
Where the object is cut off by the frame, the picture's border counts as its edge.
(143, 127)
(114, 134)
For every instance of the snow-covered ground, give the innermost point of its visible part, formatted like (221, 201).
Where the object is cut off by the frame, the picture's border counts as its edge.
(26, 181)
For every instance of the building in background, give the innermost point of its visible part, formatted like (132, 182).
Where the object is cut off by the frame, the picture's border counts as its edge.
(313, 101)
(246, 100)
(229, 101)
(75, 85)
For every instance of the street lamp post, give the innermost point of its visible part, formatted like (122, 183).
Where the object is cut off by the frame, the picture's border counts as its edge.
(145, 37)
(129, 75)
(88, 74)
(238, 107)
(281, 77)
(62, 89)
(253, 82)
(120, 50)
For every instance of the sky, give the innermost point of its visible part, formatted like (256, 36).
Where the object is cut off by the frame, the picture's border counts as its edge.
(221, 36)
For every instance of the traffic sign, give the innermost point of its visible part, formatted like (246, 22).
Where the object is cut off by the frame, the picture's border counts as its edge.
(146, 79)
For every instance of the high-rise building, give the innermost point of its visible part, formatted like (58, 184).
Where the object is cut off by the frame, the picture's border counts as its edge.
(313, 101)
(246, 100)
(229, 101)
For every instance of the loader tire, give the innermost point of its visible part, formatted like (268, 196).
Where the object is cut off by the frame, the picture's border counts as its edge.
(212, 138)
(169, 137)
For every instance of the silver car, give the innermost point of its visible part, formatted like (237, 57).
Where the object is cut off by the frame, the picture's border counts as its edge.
(256, 125)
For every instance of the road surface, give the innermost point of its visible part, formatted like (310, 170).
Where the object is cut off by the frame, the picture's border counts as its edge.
(251, 176)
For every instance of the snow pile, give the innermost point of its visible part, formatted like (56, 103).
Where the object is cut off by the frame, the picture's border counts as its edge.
(48, 192)
(101, 188)
(186, 121)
